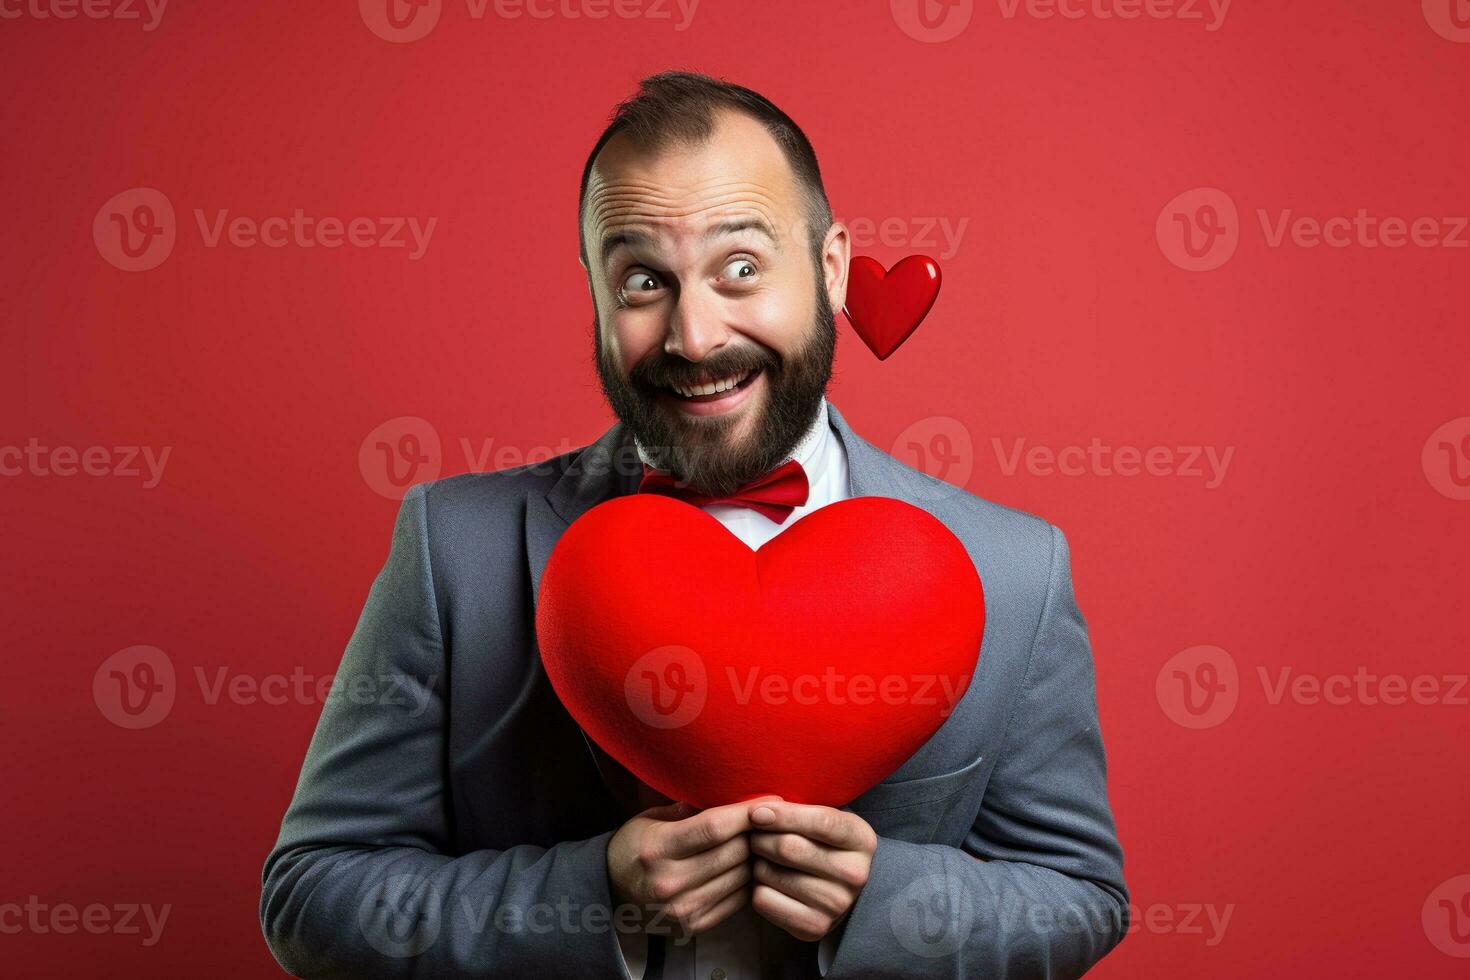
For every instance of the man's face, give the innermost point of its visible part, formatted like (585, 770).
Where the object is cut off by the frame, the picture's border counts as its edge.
(714, 327)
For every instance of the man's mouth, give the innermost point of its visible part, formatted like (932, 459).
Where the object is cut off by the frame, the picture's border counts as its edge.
(707, 389)
(714, 394)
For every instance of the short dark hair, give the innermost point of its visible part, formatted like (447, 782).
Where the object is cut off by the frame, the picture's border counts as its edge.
(680, 106)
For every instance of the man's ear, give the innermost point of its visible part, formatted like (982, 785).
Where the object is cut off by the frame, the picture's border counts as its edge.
(586, 276)
(836, 255)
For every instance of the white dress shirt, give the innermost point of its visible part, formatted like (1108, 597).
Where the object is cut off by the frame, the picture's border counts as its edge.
(729, 950)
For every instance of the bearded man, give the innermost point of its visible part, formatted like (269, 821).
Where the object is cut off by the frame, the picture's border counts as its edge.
(473, 830)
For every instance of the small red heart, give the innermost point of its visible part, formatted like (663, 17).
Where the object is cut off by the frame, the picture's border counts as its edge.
(811, 668)
(886, 308)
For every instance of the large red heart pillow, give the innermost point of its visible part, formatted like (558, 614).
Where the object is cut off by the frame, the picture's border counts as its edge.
(810, 668)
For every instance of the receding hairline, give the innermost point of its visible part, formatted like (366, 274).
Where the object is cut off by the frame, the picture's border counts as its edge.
(675, 142)
(710, 102)
(656, 142)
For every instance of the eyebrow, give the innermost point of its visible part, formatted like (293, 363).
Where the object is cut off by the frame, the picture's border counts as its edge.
(734, 225)
(632, 236)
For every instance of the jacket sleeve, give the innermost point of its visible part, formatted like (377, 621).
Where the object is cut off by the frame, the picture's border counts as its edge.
(362, 881)
(1036, 889)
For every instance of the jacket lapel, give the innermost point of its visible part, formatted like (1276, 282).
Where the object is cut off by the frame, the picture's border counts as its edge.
(864, 471)
(608, 468)
(872, 472)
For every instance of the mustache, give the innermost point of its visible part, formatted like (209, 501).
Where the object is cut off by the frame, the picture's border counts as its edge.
(662, 371)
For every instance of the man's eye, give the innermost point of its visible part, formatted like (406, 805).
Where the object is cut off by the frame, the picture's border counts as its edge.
(738, 269)
(639, 282)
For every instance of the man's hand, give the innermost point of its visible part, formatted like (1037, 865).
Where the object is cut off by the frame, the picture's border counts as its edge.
(811, 864)
(686, 870)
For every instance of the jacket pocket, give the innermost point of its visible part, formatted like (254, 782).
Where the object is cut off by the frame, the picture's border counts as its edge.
(910, 809)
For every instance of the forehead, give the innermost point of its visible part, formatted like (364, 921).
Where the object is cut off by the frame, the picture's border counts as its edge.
(681, 190)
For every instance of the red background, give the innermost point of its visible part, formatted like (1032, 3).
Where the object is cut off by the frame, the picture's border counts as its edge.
(1326, 547)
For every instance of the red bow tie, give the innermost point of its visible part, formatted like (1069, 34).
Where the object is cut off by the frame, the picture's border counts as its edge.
(775, 495)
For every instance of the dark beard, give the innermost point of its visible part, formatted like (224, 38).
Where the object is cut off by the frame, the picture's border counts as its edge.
(695, 450)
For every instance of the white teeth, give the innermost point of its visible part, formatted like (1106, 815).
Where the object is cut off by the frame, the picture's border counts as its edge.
(713, 387)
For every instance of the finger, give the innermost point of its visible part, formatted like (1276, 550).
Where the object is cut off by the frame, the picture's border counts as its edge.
(801, 921)
(819, 893)
(792, 850)
(694, 903)
(706, 829)
(678, 810)
(696, 870)
(802, 854)
(836, 828)
(725, 908)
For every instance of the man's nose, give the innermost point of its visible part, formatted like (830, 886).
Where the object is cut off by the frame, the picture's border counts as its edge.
(696, 327)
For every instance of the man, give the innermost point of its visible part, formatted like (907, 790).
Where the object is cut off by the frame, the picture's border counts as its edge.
(471, 829)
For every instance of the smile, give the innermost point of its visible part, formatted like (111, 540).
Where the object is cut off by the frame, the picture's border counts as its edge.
(712, 396)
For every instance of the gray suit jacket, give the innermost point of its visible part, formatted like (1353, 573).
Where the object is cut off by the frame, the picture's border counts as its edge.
(450, 818)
